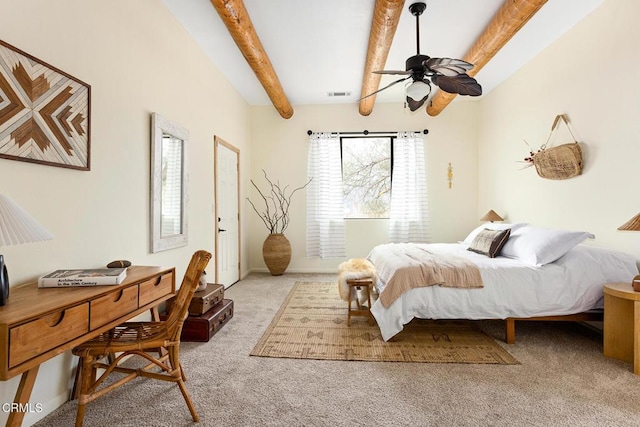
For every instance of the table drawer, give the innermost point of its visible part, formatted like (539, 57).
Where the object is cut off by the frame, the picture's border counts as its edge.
(151, 290)
(42, 334)
(113, 305)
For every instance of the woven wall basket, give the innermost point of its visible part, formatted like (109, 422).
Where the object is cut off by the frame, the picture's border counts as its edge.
(276, 251)
(560, 162)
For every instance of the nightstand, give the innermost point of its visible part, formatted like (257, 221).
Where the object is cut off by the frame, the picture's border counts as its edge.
(622, 323)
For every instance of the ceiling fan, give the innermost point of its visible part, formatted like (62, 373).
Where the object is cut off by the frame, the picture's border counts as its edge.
(450, 75)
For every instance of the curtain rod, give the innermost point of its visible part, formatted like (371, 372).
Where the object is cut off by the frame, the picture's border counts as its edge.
(366, 132)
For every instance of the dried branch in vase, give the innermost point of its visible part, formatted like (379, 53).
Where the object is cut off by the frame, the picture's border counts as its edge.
(277, 201)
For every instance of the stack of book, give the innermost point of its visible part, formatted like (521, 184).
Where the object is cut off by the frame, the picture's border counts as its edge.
(83, 277)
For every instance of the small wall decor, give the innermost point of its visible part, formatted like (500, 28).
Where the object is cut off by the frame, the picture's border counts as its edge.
(450, 175)
(44, 112)
(559, 162)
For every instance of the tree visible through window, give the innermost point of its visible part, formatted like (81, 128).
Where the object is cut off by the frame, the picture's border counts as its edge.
(366, 176)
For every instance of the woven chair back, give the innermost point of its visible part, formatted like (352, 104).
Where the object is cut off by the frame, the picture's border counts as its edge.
(190, 282)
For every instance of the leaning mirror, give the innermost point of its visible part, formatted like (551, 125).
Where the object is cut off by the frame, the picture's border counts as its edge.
(168, 184)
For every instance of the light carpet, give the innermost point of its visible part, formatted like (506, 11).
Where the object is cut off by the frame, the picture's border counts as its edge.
(563, 380)
(312, 324)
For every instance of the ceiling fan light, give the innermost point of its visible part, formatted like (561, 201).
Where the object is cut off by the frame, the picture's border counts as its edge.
(418, 90)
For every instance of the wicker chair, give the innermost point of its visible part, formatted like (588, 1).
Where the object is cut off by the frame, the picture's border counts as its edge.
(157, 342)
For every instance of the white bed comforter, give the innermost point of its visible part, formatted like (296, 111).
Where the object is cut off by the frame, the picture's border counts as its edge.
(570, 285)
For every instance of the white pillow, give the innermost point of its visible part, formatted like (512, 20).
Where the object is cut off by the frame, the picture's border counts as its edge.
(491, 226)
(539, 246)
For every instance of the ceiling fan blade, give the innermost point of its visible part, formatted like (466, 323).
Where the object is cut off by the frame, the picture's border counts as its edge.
(399, 72)
(386, 87)
(447, 66)
(461, 84)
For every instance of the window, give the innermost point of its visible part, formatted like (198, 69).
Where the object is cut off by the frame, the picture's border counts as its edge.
(366, 176)
(399, 158)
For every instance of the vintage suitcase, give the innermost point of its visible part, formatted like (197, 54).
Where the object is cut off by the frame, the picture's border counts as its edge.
(203, 301)
(202, 328)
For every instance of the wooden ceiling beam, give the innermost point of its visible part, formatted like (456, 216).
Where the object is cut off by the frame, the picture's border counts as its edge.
(236, 18)
(503, 26)
(386, 15)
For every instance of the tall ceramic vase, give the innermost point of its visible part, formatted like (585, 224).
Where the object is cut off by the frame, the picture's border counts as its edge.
(276, 251)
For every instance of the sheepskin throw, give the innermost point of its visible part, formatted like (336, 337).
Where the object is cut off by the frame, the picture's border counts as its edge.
(355, 268)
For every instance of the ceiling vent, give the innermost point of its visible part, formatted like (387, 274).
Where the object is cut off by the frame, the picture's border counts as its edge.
(338, 93)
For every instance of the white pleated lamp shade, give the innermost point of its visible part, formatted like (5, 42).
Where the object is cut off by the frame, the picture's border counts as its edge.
(17, 226)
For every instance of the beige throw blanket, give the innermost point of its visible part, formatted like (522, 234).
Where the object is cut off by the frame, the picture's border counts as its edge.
(403, 266)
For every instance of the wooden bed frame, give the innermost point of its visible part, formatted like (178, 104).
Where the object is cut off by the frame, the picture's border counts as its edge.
(510, 322)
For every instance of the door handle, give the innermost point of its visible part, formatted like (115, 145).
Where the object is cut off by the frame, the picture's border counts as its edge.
(220, 230)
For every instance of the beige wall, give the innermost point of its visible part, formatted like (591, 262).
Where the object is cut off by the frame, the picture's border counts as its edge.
(280, 148)
(138, 60)
(591, 75)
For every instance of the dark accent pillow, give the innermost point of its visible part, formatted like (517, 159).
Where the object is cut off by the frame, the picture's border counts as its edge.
(490, 242)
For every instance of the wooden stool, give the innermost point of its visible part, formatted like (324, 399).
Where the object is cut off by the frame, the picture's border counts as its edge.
(354, 285)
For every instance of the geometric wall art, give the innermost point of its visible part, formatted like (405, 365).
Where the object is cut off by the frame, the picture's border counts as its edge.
(44, 112)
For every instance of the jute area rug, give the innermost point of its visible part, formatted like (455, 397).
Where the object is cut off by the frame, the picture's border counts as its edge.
(312, 324)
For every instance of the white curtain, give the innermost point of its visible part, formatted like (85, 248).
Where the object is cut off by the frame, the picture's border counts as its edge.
(325, 211)
(409, 211)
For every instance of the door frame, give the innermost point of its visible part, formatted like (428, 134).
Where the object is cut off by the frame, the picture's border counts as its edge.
(216, 142)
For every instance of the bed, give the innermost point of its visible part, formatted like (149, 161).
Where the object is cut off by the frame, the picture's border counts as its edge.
(534, 281)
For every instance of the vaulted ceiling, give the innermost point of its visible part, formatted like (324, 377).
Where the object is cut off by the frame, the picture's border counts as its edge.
(288, 53)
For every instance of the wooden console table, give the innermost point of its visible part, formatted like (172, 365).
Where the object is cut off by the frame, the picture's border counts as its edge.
(37, 324)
